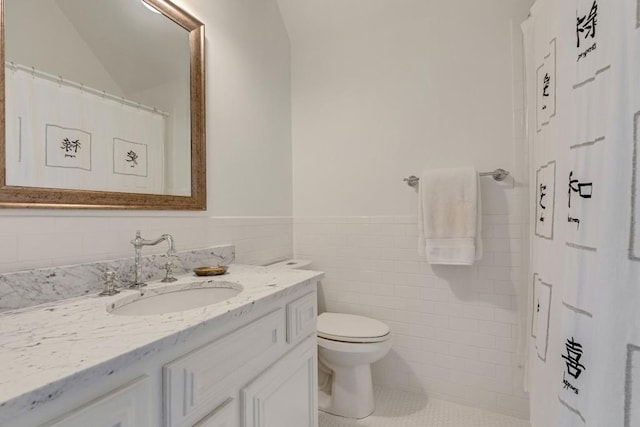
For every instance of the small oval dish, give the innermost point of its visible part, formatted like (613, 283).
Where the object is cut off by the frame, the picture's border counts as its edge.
(210, 271)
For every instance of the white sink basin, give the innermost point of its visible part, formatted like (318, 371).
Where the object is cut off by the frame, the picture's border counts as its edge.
(174, 298)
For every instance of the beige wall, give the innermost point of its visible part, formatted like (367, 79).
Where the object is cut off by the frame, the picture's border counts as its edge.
(51, 33)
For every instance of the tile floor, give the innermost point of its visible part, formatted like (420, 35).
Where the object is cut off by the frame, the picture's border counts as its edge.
(400, 409)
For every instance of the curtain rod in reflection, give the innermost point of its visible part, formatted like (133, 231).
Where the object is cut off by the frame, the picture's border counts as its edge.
(58, 79)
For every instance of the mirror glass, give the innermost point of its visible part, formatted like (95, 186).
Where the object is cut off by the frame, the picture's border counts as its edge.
(99, 99)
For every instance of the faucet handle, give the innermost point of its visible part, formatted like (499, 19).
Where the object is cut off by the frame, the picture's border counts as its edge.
(168, 278)
(109, 278)
(136, 241)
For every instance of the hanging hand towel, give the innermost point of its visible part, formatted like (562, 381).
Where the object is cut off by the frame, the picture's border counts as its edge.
(449, 219)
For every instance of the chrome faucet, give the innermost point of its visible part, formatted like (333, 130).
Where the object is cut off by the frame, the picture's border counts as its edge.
(138, 243)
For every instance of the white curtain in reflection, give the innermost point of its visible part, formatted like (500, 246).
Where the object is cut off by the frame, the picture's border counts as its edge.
(60, 136)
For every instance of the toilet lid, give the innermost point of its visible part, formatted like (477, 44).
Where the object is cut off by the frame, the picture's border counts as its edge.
(351, 328)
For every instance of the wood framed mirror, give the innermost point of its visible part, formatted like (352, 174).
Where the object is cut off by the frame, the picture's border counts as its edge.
(107, 111)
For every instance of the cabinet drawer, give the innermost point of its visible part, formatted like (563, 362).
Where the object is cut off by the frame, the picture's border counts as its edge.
(126, 406)
(201, 380)
(301, 317)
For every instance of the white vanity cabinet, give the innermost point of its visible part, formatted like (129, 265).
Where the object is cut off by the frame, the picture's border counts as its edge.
(262, 374)
(255, 366)
(197, 384)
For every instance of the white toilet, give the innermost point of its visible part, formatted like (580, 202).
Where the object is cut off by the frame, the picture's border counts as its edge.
(347, 346)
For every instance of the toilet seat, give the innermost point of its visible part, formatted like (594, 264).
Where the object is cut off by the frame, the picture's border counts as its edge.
(350, 328)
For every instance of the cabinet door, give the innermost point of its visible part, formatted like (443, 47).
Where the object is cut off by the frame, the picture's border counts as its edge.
(125, 407)
(285, 395)
(196, 383)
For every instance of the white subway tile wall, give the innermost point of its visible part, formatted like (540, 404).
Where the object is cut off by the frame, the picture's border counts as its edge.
(454, 327)
(46, 241)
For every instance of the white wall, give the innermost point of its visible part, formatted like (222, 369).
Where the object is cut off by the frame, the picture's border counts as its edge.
(249, 107)
(454, 329)
(383, 90)
(248, 159)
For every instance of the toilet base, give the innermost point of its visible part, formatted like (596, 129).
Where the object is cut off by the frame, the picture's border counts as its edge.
(349, 363)
(351, 392)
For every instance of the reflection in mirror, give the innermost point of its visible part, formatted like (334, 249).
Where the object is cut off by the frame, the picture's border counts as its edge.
(103, 103)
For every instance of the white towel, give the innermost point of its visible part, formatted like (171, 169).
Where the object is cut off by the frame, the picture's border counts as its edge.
(449, 221)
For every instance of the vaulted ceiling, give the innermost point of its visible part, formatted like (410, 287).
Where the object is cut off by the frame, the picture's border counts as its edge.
(138, 48)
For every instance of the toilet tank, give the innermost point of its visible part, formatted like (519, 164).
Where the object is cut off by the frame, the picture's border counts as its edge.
(290, 264)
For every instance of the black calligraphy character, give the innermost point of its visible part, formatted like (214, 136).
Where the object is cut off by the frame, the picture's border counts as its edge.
(571, 188)
(584, 189)
(542, 194)
(70, 147)
(586, 25)
(574, 353)
(545, 87)
(576, 220)
(546, 82)
(132, 157)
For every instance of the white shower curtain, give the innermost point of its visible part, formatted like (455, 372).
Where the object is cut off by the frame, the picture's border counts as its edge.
(60, 136)
(583, 95)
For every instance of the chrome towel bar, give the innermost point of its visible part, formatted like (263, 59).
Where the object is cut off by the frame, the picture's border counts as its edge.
(498, 175)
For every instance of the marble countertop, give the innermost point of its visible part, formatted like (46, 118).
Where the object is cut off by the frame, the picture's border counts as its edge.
(47, 349)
